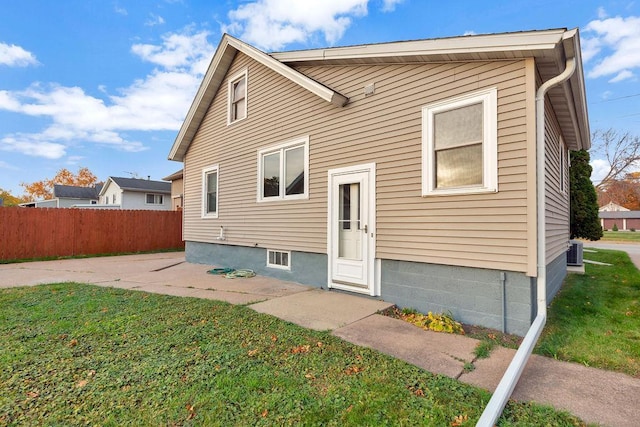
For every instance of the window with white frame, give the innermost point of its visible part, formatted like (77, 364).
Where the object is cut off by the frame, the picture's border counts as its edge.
(237, 97)
(279, 259)
(459, 145)
(210, 179)
(151, 199)
(283, 171)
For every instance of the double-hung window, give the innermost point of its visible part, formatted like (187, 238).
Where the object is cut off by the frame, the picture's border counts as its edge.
(459, 145)
(210, 178)
(237, 97)
(283, 171)
(151, 199)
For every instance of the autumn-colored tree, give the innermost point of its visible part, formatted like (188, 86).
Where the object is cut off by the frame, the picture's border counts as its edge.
(9, 199)
(44, 189)
(624, 192)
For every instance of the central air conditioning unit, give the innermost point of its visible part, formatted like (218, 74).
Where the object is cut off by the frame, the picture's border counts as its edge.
(574, 254)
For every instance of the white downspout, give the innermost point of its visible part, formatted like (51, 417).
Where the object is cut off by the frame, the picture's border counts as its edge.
(508, 382)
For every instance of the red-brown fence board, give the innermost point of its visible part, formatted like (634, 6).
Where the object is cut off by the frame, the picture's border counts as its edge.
(53, 232)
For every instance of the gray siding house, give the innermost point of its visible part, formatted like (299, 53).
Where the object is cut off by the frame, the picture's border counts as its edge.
(69, 196)
(421, 172)
(135, 193)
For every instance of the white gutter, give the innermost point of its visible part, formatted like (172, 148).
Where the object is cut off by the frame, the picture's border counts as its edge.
(508, 382)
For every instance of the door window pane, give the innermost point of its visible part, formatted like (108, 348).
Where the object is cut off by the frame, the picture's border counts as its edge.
(349, 233)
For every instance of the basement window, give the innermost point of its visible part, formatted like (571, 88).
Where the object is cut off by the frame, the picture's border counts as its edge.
(279, 259)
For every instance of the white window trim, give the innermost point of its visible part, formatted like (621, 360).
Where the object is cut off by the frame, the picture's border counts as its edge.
(204, 214)
(489, 99)
(230, 82)
(281, 148)
(278, 266)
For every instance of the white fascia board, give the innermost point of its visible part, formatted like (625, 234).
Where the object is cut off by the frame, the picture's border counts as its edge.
(526, 41)
(104, 187)
(189, 125)
(289, 73)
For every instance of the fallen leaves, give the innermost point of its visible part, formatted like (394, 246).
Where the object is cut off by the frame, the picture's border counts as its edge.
(301, 349)
(192, 411)
(459, 420)
(354, 369)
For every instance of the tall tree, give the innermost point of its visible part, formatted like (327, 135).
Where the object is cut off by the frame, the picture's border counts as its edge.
(9, 199)
(620, 150)
(44, 189)
(584, 201)
(625, 192)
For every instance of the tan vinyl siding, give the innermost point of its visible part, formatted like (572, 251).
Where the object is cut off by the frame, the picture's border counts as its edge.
(557, 202)
(481, 230)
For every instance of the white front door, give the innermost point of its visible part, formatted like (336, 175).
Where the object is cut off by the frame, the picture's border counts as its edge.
(351, 224)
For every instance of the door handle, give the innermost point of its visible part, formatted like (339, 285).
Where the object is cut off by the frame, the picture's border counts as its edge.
(365, 229)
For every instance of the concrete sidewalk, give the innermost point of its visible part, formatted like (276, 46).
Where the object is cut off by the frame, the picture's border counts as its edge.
(596, 396)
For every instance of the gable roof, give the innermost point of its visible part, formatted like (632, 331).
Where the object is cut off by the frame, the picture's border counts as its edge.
(75, 192)
(174, 176)
(550, 48)
(225, 53)
(137, 184)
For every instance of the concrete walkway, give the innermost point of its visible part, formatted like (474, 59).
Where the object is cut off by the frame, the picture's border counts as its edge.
(596, 396)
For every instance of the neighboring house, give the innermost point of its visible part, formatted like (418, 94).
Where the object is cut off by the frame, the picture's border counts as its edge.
(177, 189)
(613, 207)
(135, 193)
(68, 196)
(622, 219)
(405, 171)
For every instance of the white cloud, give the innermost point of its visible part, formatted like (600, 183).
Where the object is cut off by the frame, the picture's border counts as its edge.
(154, 20)
(469, 33)
(31, 147)
(272, 24)
(156, 102)
(120, 10)
(178, 51)
(617, 41)
(602, 13)
(622, 75)
(15, 56)
(600, 169)
(390, 5)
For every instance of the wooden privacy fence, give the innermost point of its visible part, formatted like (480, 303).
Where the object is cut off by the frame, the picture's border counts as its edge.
(53, 232)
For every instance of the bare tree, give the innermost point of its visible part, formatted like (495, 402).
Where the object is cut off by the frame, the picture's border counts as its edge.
(620, 150)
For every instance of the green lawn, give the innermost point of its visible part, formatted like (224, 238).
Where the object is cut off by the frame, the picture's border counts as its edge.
(595, 318)
(76, 354)
(619, 236)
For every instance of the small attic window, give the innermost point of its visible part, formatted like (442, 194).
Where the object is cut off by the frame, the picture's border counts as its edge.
(237, 97)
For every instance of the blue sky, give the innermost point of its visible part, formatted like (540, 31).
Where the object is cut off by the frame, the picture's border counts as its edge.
(105, 84)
